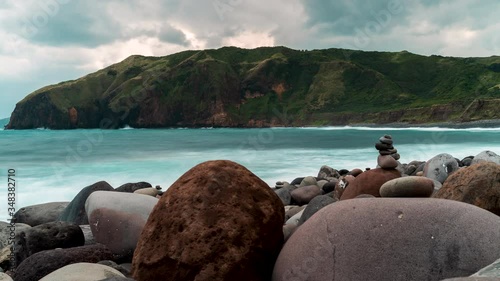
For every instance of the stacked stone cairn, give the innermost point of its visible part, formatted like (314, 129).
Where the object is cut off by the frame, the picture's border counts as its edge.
(388, 158)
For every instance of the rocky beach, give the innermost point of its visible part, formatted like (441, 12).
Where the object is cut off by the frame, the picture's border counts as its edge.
(424, 220)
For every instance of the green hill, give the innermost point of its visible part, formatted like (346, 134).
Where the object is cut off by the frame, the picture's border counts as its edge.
(271, 86)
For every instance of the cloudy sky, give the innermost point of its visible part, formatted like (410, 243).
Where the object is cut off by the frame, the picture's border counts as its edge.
(49, 41)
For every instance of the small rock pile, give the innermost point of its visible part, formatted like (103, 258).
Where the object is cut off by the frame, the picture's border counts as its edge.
(388, 154)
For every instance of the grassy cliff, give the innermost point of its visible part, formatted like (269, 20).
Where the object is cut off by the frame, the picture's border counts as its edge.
(269, 86)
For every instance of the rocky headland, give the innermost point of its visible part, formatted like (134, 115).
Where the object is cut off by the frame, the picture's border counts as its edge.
(424, 220)
(271, 86)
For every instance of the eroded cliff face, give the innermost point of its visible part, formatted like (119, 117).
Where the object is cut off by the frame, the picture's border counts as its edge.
(232, 87)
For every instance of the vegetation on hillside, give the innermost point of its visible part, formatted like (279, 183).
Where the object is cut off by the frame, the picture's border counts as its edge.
(194, 88)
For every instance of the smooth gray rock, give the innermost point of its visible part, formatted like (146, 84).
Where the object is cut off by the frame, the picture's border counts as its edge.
(87, 233)
(41, 213)
(5, 277)
(440, 167)
(391, 239)
(117, 218)
(314, 206)
(293, 211)
(285, 195)
(486, 156)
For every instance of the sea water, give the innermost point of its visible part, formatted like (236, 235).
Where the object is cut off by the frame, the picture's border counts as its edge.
(53, 165)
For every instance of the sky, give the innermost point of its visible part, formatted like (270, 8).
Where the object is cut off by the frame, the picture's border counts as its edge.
(45, 42)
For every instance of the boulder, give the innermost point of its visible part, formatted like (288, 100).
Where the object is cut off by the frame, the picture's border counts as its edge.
(304, 194)
(132, 187)
(75, 211)
(411, 186)
(369, 182)
(117, 218)
(478, 184)
(391, 239)
(47, 236)
(327, 172)
(314, 206)
(440, 167)
(42, 263)
(7, 232)
(82, 271)
(486, 156)
(38, 214)
(218, 221)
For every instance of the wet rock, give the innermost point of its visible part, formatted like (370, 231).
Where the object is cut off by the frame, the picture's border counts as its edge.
(131, 187)
(75, 211)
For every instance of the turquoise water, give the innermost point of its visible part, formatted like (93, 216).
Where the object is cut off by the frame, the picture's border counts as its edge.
(55, 165)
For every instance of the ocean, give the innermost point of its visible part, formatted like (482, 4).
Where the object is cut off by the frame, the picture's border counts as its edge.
(55, 165)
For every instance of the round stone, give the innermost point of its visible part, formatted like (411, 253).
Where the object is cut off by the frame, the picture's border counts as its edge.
(369, 182)
(440, 167)
(391, 239)
(478, 184)
(411, 186)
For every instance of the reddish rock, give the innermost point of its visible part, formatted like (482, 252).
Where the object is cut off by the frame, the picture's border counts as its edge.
(391, 239)
(369, 182)
(304, 194)
(478, 184)
(216, 222)
(355, 172)
(73, 116)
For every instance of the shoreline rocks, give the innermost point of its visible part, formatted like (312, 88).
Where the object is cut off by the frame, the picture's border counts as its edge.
(220, 221)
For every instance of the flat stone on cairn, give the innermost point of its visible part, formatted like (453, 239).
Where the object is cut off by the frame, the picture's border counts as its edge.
(388, 154)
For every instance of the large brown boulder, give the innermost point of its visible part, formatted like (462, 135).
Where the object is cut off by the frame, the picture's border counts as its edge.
(391, 239)
(478, 184)
(369, 182)
(216, 222)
